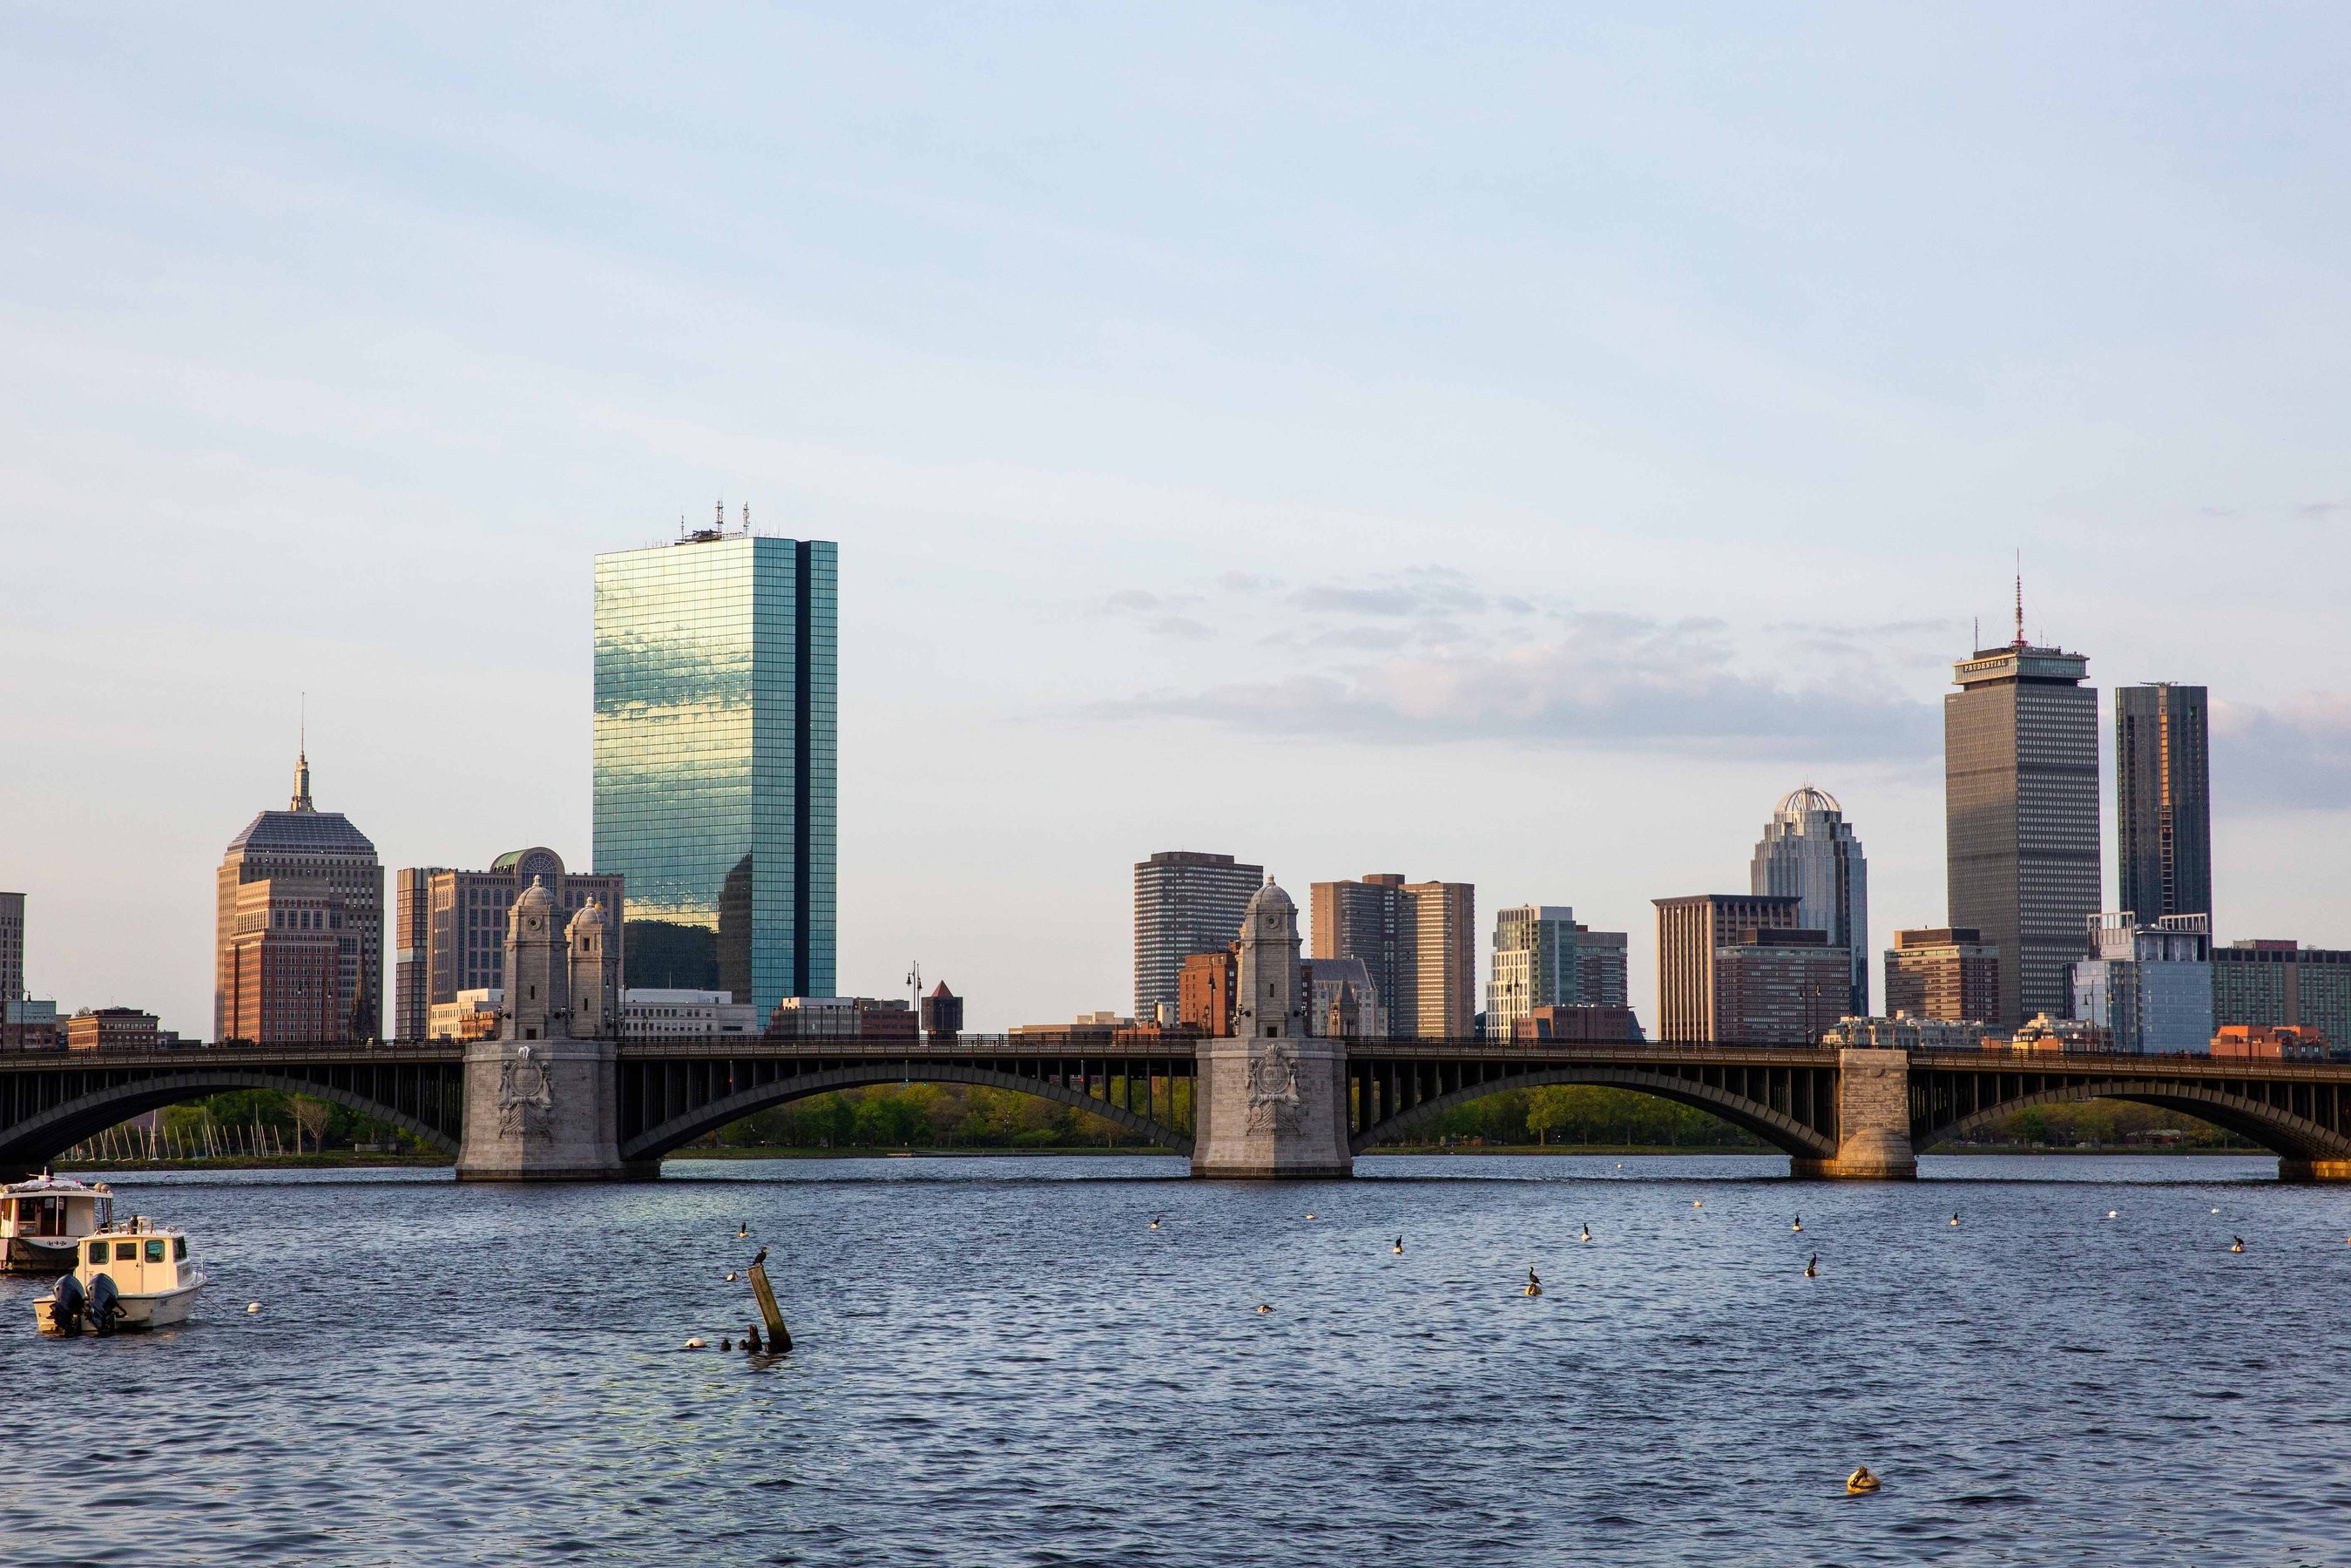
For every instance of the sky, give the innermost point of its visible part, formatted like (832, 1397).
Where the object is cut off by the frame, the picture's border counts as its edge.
(1503, 444)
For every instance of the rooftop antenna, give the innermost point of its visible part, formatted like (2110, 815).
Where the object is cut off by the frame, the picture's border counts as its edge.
(2019, 597)
(915, 985)
(302, 759)
(721, 524)
(746, 516)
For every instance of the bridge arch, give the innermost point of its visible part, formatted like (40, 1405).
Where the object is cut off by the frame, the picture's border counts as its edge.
(41, 1137)
(683, 1128)
(2280, 1131)
(1775, 1127)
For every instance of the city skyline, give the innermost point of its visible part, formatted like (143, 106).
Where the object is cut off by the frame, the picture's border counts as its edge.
(1137, 462)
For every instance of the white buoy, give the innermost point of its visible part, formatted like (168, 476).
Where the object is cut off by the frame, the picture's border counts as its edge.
(694, 1345)
(253, 1306)
(730, 1276)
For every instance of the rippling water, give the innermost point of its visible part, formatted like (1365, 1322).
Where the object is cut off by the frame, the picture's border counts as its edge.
(999, 1362)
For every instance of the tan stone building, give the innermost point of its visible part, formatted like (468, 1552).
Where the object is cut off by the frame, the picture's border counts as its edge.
(452, 928)
(111, 1029)
(302, 844)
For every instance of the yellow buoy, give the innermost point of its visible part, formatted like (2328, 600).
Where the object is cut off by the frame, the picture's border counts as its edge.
(1861, 1481)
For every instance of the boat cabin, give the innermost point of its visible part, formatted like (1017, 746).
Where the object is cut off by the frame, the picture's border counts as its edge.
(52, 1207)
(141, 1261)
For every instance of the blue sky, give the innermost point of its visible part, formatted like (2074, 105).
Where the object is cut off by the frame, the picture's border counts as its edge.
(1508, 446)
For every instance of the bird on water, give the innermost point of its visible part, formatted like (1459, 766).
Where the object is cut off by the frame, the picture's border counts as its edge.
(743, 1231)
(1955, 1217)
(2236, 1244)
(1586, 1235)
(1812, 1267)
(1534, 1285)
(1263, 1307)
(1799, 1226)
(1156, 1220)
(1399, 1247)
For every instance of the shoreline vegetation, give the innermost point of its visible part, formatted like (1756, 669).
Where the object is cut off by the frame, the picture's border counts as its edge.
(952, 1119)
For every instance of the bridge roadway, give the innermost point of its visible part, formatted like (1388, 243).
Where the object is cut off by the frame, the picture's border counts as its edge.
(671, 1092)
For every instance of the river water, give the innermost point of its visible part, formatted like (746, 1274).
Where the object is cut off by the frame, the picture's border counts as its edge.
(999, 1362)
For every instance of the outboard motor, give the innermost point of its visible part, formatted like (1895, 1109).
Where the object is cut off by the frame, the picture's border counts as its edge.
(105, 1303)
(69, 1298)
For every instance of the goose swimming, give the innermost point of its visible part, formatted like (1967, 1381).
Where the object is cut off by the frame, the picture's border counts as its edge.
(1399, 1247)
(1955, 1217)
(2236, 1244)
(1156, 1220)
(743, 1231)
(1586, 1235)
(1799, 1226)
(1812, 1267)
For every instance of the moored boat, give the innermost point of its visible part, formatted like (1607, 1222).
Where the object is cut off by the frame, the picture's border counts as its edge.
(42, 1222)
(135, 1275)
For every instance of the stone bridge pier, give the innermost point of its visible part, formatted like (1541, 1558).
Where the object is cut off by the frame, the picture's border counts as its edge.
(1873, 1120)
(1271, 1097)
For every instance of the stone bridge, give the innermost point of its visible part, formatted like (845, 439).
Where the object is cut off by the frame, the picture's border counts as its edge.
(1857, 1113)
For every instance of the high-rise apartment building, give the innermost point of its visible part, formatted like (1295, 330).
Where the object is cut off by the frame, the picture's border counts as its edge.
(12, 947)
(2148, 983)
(301, 845)
(1778, 988)
(1373, 919)
(2021, 806)
(717, 744)
(1944, 973)
(1185, 902)
(453, 926)
(1693, 933)
(1444, 984)
(2163, 801)
(2272, 983)
(1419, 942)
(1543, 959)
(1808, 850)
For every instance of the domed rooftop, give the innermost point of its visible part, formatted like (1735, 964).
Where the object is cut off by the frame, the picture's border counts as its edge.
(1798, 804)
(534, 899)
(1270, 897)
(590, 918)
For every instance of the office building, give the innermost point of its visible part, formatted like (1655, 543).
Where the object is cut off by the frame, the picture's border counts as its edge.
(668, 1013)
(452, 928)
(12, 947)
(2148, 985)
(2279, 983)
(1808, 850)
(1204, 991)
(717, 744)
(1778, 987)
(281, 973)
(2163, 801)
(113, 1028)
(31, 1024)
(1543, 958)
(1945, 972)
(1185, 902)
(322, 850)
(1341, 1001)
(1692, 933)
(2021, 807)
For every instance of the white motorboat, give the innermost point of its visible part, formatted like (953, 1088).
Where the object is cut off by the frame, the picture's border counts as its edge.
(42, 1223)
(135, 1275)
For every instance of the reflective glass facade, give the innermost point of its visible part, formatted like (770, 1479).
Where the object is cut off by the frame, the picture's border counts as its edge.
(717, 744)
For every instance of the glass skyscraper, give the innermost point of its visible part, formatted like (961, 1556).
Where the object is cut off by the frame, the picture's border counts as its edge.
(2163, 801)
(717, 744)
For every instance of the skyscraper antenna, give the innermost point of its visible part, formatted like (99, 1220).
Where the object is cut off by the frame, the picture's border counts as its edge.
(721, 523)
(746, 516)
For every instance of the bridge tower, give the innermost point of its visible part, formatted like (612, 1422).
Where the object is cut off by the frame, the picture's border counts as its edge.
(1271, 1099)
(540, 1100)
